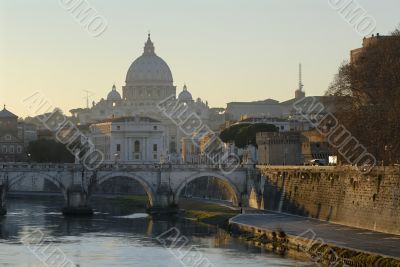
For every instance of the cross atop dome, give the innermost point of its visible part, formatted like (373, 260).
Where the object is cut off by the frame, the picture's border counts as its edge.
(148, 46)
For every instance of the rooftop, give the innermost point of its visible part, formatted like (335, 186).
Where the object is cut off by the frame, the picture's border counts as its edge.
(129, 119)
(7, 114)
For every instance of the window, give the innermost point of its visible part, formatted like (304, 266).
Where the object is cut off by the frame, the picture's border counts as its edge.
(118, 127)
(172, 147)
(4, 149)
(118, 147)
(12, 149)
(155, 147)
(137, 146)
(8, 137)
(19, 149)
(155, 156)
(154, 127)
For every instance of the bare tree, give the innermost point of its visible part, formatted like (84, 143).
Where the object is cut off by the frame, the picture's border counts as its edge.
(371, 85)
(396, 32)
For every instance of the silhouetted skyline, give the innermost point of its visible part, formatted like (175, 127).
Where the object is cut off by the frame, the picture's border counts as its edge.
(224, 51)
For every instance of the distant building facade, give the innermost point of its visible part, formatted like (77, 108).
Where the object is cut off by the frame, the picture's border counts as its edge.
(291, 148)
(314, 146)
(135, 139)
(279, 148)
(357, 54)
(267, 108)
(27, 132)
(237, 111)
(283, 125)
(11, 145)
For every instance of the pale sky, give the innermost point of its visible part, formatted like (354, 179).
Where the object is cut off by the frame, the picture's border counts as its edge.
(224, 50)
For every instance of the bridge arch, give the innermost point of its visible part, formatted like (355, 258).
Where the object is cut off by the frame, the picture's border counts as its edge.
(147, 187)
(233, 189)
(45, 176)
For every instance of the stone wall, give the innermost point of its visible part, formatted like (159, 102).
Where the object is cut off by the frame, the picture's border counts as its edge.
(336, 194)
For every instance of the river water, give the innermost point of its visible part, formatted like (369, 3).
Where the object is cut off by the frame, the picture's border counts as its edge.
(34, 233)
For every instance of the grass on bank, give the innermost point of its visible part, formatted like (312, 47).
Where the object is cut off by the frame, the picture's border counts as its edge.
(197, 209)
(206, 212)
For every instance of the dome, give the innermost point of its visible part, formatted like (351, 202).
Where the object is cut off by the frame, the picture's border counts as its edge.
(114, 95)
(149, 68)
(185, 95)
(7, 114)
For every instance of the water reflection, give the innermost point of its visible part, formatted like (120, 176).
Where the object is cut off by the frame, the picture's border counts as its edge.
(117, 237)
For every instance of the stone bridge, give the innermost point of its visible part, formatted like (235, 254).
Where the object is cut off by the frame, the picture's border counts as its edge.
(163, 183)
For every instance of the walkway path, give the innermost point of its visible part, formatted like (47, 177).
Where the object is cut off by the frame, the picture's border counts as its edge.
(343, 236)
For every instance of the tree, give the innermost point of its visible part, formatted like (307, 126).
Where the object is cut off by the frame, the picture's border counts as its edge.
(396, 32)
(49, 151)
(245, 134)
(371, 89)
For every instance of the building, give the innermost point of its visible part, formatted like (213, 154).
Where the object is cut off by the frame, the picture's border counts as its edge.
(201, 147)
(291, 148)
(11, 145)
(135, 139)
(27, 132)
(266, 108)
(191, 150)
(279, 148)
(274, 109)
(283, 125)
(357, 54)
(314, 146)
(148, 82)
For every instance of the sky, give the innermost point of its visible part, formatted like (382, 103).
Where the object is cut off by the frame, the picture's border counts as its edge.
(225, 50)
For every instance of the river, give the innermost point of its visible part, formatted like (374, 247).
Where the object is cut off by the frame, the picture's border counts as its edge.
(115, 236)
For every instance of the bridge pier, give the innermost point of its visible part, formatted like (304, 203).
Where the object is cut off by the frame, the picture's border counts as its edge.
(77, 203)
(164, 204)
(3, 194)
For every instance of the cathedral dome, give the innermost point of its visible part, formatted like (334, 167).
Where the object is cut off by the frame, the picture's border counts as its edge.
(149, 68)
(114, 95)
(185, 95)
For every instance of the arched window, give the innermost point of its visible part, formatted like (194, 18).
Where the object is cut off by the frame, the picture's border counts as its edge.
(137, 146)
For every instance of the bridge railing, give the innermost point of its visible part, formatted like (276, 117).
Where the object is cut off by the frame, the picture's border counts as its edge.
(21, 165)
(104, 167)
